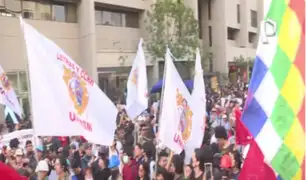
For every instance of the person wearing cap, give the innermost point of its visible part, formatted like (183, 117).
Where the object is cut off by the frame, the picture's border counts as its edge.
(42, 170)
(39, 152)
(19, 156)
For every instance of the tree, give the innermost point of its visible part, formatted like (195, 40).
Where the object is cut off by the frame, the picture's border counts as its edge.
(170, 23)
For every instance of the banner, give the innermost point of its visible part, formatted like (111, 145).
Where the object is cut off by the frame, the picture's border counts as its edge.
(137, 86)
(21, 135)
(8, 96)
(65, 99)
(198, 99)
(176, 114)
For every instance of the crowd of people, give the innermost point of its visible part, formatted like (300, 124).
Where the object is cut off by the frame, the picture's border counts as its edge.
(136, 152)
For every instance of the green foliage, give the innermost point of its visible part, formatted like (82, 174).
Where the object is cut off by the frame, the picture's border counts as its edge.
(244, 60)
(170, 23)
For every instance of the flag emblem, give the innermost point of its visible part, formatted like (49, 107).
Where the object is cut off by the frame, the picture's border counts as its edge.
(5, 82)
(135, 76)
(185, 116)
(77, 90)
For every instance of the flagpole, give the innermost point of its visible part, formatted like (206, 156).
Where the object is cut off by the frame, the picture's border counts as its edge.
(24, 50)
(160, 106)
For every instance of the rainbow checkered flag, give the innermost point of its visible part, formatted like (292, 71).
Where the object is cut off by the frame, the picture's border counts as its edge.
(274, 112)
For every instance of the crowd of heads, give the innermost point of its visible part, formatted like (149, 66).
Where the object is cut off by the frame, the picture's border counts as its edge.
(136, 152)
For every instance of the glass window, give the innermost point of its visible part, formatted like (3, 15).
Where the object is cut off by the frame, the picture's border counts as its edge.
(46, 10)
(13, 79)
(25, 104)
(210, 35)
(209, 9)
(106, 18)
(253, 18)
(59, 13)
(238, 13)
(98, 17)
(116, 18)
(23, 84)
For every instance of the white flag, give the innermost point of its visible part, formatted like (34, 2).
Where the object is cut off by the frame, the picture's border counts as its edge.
(11, 114)
(65, 99)
(176, 114)
(137, 88)
(8, 96)
(198, 100)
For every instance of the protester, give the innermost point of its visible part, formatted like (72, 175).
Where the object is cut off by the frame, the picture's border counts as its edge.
(133, 154)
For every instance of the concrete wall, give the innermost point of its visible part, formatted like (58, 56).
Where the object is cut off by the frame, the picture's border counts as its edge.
(12, 49)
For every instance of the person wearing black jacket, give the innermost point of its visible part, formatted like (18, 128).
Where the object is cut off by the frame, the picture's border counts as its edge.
(101, 170)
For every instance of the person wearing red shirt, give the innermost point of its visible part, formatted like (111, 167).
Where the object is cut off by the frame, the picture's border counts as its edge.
(64, 140)
(130, 168)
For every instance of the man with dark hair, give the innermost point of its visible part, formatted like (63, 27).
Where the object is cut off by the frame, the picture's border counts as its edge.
(221, 136)
(199, 158)
(130, 167)
(30, 155)
(76, 162)
(162, 165)
(138, 153)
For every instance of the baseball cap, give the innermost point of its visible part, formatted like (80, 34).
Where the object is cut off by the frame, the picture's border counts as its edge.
(42, 166)
(40, 148)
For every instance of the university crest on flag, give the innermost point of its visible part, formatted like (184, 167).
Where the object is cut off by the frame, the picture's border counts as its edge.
(135, 77)
(5, 82)
(77, 90)
(185, 120)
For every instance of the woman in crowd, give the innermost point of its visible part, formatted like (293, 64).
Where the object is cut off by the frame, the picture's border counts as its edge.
(143, 171)
(62, 169)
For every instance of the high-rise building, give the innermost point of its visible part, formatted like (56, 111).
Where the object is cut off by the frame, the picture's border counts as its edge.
(102, 35)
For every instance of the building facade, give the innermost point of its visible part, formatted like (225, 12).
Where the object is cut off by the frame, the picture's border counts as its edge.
(102, 36)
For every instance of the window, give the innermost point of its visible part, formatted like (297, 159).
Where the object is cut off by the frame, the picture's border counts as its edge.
(13, 78)
(209, 9)
(47, 10)
(200, 19)
(58, 13)
(211, 65)
(117, 18)
(20, 84)
(210, 36)
(238, 13)
(232, 33)
(253, 18)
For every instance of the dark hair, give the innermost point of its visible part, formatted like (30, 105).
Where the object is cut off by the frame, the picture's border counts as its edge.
(139, 145)
(204, 155)
(63, 163)
(106, 161)
(220, 132)
(149, 149)
(14, 143)
(178, 163)
(28, 142)
(128, 151)
(146, 168)
(163, 153)
(199, 155)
